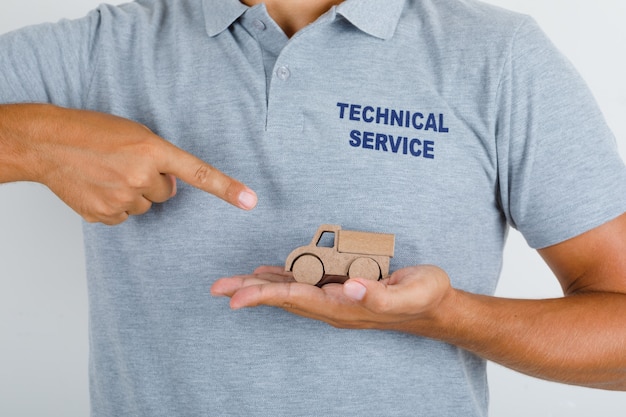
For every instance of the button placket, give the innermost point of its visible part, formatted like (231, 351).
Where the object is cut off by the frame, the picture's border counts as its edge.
(283, 110)
(259, 25)
(283, 73)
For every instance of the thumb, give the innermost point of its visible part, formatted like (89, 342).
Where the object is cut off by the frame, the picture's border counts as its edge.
(354, 290)
(203, 176)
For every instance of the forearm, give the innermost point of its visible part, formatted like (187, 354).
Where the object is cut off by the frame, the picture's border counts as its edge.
(21, 127)
(580, 339)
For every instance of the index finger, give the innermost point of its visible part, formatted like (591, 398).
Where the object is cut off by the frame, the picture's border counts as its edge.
(203, 176)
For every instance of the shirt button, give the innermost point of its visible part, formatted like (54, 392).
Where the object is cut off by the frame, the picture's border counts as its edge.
(283, 73)
(258, 25)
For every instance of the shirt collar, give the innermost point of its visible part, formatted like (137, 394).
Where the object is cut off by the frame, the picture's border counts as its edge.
(220, 14)
(378, 18)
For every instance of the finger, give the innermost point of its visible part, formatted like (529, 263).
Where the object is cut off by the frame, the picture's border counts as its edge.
(275, 270)
(141, 205)
(110, 220)
(162, 189)
(174, 187)
(229, 286)
(373, 295)
(286, 295)
(205, 177)
(354, 290)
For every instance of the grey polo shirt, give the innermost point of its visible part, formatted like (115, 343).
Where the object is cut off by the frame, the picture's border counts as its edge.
(443, 122)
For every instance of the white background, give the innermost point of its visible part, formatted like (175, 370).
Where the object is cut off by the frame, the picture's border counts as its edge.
(43, 302)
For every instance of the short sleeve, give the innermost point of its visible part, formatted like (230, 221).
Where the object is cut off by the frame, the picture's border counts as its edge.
(559, 170)
(49, 63)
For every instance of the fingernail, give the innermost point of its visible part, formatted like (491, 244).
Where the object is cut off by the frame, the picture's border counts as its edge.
(354, 290)
(247, 199)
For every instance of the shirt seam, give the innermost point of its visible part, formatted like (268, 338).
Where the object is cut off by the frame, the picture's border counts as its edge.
(92, 64)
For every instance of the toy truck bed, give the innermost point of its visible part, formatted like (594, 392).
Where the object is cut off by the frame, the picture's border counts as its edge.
(365, 243)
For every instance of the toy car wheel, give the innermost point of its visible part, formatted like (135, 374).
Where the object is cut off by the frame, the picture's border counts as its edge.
(364, 268)
(308, 269)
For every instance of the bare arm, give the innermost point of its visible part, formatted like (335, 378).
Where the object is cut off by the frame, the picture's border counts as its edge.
(578, 339)
(104, 167)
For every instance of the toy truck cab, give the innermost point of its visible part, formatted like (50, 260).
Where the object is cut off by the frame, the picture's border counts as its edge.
(335, 255)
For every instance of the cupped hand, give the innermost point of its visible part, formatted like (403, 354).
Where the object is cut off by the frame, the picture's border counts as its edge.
(406, 298)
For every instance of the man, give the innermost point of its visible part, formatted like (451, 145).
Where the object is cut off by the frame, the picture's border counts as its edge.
(444, 120)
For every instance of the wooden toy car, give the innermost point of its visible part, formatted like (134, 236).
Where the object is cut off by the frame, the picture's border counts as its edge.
(334, 255)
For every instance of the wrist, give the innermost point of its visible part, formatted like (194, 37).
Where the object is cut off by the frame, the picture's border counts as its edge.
(443, 320)
(433, 307)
